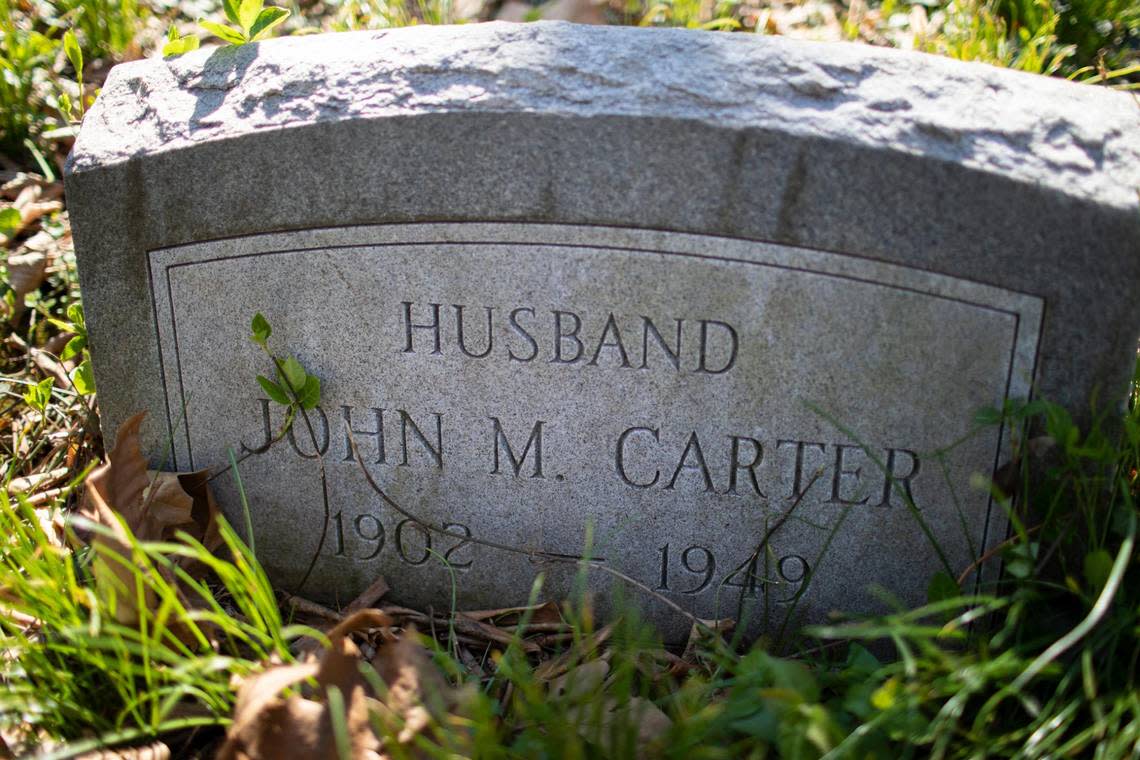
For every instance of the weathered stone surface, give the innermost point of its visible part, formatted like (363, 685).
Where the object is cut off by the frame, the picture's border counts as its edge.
(764, 259)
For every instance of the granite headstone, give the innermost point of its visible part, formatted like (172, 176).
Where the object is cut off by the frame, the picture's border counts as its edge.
(718, 309)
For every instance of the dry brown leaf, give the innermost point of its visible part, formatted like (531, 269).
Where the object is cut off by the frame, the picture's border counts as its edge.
(581, 680)
(26, 272)
(118, 485)
(122, 487)
(176, 502)
(155, 505)
(701, 632)
(262, 718)
(156, 751)
(579, 686)
(268, 727)
(415, 689)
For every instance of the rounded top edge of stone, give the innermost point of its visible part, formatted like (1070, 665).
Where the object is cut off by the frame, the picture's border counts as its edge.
(1078, 139)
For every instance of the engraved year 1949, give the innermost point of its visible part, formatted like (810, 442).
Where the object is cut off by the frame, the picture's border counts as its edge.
(693, 570)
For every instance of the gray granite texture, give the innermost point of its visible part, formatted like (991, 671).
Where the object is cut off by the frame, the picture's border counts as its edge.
(710, 265)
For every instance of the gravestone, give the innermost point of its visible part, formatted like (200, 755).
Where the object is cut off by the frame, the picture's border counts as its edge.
(717, 309)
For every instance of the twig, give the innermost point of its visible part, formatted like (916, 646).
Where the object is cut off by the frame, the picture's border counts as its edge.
(46, 496)
(302, 604)
(369, 597)
(48, 365)
(994, 551)
(537, 628)
(38, 479)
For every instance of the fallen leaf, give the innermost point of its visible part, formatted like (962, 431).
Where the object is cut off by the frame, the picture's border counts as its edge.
(582, 687)
(151, 512)
(581, 681)
(416, 692)
(701, 633)
(269, 727)
(179, 501)
(26, 272)
(155, 505)
(155, 751)
(118, 485)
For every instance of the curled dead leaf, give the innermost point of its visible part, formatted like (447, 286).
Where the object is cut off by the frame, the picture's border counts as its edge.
(416, 692)
(180, 502)
(154, 505)
(155, 751)
(582, 686)
(118, 485)
(26, 272)
(268, 726)
(581, 680)
(702, 633)
(151, 512)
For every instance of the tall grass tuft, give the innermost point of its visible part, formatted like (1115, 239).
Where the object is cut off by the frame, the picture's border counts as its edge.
(72, 670)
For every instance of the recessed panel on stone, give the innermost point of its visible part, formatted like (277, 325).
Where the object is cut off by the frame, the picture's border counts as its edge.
(671, 395)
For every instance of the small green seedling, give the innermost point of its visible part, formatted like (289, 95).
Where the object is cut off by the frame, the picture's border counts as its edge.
(75, 56)
(252, 20)
(39, 395)
(82, 377)
(177, 45)
(294, 388)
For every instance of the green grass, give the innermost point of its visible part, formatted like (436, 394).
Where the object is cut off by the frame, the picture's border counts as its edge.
(71, 669)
